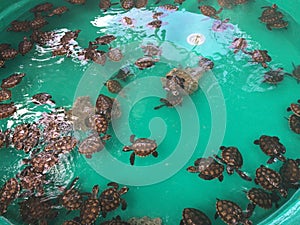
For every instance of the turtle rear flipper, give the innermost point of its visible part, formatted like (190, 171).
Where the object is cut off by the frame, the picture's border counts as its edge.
(155, 154)
(243, 175)
(132, 158)
(250, 210)
(123, 204)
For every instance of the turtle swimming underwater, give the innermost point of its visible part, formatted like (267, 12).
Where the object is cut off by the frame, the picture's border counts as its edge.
(115, 54)
(62, 145)
(8, 54)
(170, 101)
(145, 62)
(208, 169)
(123, 73)
(274, 76)
(231, 213)
(58, 11)
(278, 24)
(104, 40)
(294, 123)
(43, 7)
(8, 193)
(260, 56)
(290, 173)
(140, 3)
(91, 208)
(192, 216)
(109, 107)
(295, 73)
(272, 147)
(12, 80)
(233, 159)
(113, 86)
(5, 94)
(98, 123)
(151, 50)
(25, 46)
(210, 11)
(19, 26)
(92, 144)
(141, 147)
(110, 198)
(7, 110)
(239, 44)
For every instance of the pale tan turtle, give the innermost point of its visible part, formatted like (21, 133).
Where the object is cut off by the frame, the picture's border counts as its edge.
(7, 110)
(43, 7)
(19, 26)
(12, 80)
(91, 208)
(141, 147)
(210, 11)
(59, 11)
(145, 62)
(25, 46)
(8, 54)
(92, 144)
(5, 94)
(8, 193)
(115, 54)
(110, 198)
(151, 50)
(192, 216)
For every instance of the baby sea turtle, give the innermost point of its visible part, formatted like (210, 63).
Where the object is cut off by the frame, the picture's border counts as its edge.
(155, 24)
(141, 147)
(127, 4)
(140, 3)
(231, 213)
(9, 54)
(42, 98)
(8, 193)
(90, 209)
(38, 22)
(272, 17)
(68, 36)
(233, 159)
(77, 2)
(210, 11)
(43, 7)
(290, 173)
(5, 94)
(41, 37)
(151, 50)
(63, 145)
(110, 198)
(295, 73)
(4, 138)
(7, 110)
(206, 63)
(272, 147)
(99, 57)
(226, 3)
(239, 44)
(72, 222)
(240, 2)
(270, 180)
(12, 80)
(25, 46)
(59, 11)
(169, 7)
(19, 26)
(115, 221)
(92, 144)
(109, 107)
(208, 169)
(98, 123)
(192, 216)
(123, 73)
(113, 86)
(261, 56)
(145, 62)
(43, 161)
(70, 198)
(104, 40)
(170, 101)
(279, 24)
(274, 76)
(115, 54)
(294, 123)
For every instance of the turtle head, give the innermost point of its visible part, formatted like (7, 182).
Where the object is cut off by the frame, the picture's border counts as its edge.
(192, 169)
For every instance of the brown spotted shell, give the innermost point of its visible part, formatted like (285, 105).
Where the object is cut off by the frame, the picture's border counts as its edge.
(239, 44)
(91, 145)
(151, 50)
(295, 108)
(274, 76)
(140, 3)
(8, 193)
(294, 123)
(63, 145)
(44, 161)
(208, 10)
(7, 110)
(104, 40)
(261, 56)
(127, 4)
(271, 18)
(42, 98)
(113, 86)
(68, 36)
(192, 216)
(104, 105)
(260, 197)
(38, 23)
(42, 7)
(19, 26)
(59, 10)
(8, 54)
(169, 7)
(145, 62)
(143, 146)
(155, 23)
(170, 100)
(290, 171)
(77, 2)
(115, 54)
(91, 208)
(12, 80)
(226, 3)
(71, 199)
(240, 2)
(99, 123)
(232, 156)
(115, 221)
(25, 46)
(5, 94)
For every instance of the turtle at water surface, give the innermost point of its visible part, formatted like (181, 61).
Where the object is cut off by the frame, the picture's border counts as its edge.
(5, 94)
(110, 198)
(274, 76)
(169, 7)
(206, 63)
(7, 110)
(272, 147)
(260, 56)
(141, 147)
(155, 24)
(192, 216)
(208, 169)
(8, 193)
(233, 159)
(239, 44)
(294, 123)
(145, 62)
(115, 54)
(290, 173)
(210, 11)
(12, 80)
(270, 180)
(295, 73)
(42, 98)
(92, 144)
(38, 22)
(231, 213)
(91, 208)
(5, 138)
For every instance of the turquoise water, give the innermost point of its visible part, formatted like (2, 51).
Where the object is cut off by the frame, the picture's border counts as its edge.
(249, 109)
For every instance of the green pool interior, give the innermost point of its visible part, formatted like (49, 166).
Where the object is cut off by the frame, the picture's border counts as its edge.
(252, 108)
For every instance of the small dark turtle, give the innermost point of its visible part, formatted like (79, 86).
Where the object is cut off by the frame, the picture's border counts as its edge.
(145, 62)
(261, 198)
(90, 209)
(231, 213)
(210, 11)
(47, 6)
(104, 40)
(5, 138)
(141, 147)
(115, 221)
(7, 110)
(5, 94)
(290, 173)
(110, 198)
(233, 159)
(68, 36)
(63, 145)
(294, 123)
(295, 108)
(206, 63)
(279, 24)
(295, 73)
(38, 22)
(170, 101)
(9, 53)
(25, 46)
(270, 180)
(208, 169)
(140, 3)
(272, 147)
(77, 2)
(127, 4)
(41, 38)
(70, 198)
(8, 192)
(192, 216)
(59, 11)
(19, 26)
(113, 86)
(274, 76)
(239, 44)
(151, 50)
(123, 73)
(155, 24)
(115, 54)
(260, 56)
(269, 10)
(92, 144)
(226, 3)
(42, 98)
(43, 161)
(12, 80)
(104, 105)
(158, 15)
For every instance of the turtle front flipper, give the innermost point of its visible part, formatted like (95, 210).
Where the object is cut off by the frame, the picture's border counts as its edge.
(250, 210)
(123, 204)
(243, 175)
(192, 169)
(132, 158)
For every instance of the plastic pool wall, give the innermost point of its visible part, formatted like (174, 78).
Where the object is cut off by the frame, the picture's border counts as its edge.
(289, 213)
